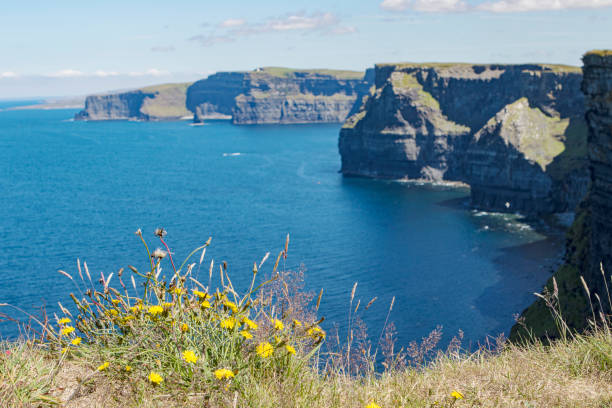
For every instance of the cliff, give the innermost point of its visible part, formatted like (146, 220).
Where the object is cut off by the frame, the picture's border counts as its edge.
(278, 95)
(589, 241)
(160, 102)
(514, 133)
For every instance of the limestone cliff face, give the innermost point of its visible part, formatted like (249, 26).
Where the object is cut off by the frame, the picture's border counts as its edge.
(278, 95)
(589, 241)
(161, 102)
(515, 133)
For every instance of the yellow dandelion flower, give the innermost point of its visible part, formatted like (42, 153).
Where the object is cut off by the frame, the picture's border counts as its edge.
(128, 368)
(103, 366)
(184, 327)
(372, 405)
(155, 310)
(224, 373)
(115, 301)
(228, 323)
(246, 334)
(67, 330)
(155, 378)
(136, 309)
(457, 395)
(178, 291)
(64, 320)
(251, 324)
(76, 341)
(316, 332)
(265, 350)
(278, 325)
(297, 323)
(205, 304)
(231, 306)
(64, 350)
(200, 294)
(167, 305)
(290, 349)
(190, 357)
(113, 312)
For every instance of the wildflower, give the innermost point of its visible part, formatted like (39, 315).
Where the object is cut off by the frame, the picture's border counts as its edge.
(278, 325)
(76, 341)
(290, 349)
(231, 306)
(372, 405)
(205, 304)
(67, 330)
(64, 320)
(178, 291)
(228, 323)
(155, 310)
(159, 254)
(265, 350)
(128, 368)
(457, 395)
(103, 366)
(246, 334)
(113, 312)
(297, 323)
(189, 356)
(316, 332)
(136, 309)
(200, 294)
(184, 328)
(115, 301)
(251, 324)
(222, 373)
(160, 232)
(155, 378)
(167, 305)
(64, 350)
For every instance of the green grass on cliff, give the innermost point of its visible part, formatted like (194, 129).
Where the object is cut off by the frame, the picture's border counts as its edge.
(169, 101)
(288, 72)
(172, 341)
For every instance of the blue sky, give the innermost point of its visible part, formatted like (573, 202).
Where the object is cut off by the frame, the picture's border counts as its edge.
(77, 47)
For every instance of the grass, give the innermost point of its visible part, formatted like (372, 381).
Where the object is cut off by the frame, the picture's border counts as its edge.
(172, 341)
(445, 65)
(287, 72)
(168, 101)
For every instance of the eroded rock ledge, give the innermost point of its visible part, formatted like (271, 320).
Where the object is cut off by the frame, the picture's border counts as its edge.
(589, 241)
(514, 133)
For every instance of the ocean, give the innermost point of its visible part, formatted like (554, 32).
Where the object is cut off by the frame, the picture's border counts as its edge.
(79, 190)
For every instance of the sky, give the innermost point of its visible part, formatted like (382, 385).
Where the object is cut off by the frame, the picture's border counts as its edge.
(65, 47)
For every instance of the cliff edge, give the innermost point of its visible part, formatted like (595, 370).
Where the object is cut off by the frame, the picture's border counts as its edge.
(589, 241)
(278, 95)
(514, 133)
(159, 102)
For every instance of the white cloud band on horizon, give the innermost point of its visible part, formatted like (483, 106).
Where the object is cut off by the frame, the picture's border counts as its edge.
(495, 6)
(8, 74)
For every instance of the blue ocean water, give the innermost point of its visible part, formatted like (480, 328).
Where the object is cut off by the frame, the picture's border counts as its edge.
(80, 189)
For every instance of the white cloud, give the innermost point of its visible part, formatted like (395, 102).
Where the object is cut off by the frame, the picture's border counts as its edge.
(150, 72)
(232, 22)
(8, 74)
(103, 74)
(429, 6)
(322, 23)
(495, 6)
(513, 6)
(66, 73)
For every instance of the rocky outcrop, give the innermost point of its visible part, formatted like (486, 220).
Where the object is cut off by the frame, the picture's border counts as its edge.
(278, 95)
(161, 102)
(514, 133)
(589, 241)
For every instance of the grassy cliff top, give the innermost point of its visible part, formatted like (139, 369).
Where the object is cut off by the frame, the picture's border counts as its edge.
(286, 72)
(601, 53)
(443, 65)
(166, 87)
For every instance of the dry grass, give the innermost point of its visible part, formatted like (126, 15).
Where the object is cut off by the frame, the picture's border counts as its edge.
(575, 371)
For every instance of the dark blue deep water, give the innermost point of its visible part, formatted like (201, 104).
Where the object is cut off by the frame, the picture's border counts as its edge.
(73, 190)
